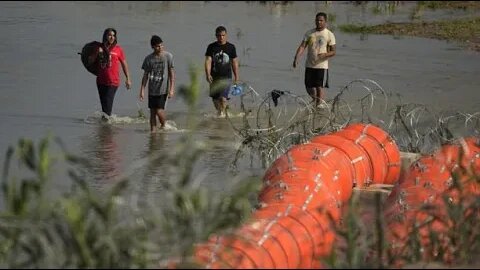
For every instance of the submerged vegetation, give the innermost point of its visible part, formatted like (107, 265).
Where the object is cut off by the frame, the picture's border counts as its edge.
(465, 30)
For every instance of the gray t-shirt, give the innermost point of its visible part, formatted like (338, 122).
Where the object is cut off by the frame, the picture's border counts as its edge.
(157, 69)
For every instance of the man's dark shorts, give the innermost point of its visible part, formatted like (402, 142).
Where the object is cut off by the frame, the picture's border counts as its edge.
(220, 88)
(316, 77)
(157, 102)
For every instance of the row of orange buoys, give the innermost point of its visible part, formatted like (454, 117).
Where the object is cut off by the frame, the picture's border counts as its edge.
(430, 182)
(304, 189)
(301, 199)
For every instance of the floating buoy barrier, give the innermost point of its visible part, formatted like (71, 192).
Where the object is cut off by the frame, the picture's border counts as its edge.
(304, 189)
(357, 157)
(315, 167)
(376, 154)
(419, 201)
(388, 145)
(301, 199)
(279, 236)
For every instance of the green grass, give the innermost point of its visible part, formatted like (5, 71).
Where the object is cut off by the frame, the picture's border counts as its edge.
(464, 30)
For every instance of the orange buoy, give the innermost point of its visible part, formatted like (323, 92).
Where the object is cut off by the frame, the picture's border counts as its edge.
(377, 156)
(388, 145)
(358, 158)
(421, 198)
(301, 201)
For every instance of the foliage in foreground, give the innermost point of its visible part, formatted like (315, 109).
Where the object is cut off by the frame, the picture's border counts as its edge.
(86, 228)
(362, 242)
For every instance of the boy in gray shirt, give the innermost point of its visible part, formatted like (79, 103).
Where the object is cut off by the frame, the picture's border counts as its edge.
(159, 72)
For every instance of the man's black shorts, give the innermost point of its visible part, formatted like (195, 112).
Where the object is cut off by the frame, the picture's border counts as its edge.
(316, 77)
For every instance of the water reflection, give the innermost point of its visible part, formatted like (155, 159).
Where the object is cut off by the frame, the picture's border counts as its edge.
(155, 155)
(102, 150)
(154, 171)
(217, 159)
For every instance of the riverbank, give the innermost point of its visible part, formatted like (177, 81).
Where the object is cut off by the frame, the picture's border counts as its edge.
(465, 31)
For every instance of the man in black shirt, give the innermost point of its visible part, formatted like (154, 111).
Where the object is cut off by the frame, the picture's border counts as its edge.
(220, 60)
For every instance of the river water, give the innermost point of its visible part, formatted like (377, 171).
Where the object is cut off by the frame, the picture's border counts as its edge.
(46, 90)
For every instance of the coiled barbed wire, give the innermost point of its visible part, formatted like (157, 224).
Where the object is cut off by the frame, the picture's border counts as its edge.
(281, 119)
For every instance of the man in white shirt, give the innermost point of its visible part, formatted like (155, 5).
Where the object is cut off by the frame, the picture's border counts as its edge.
(320, 45)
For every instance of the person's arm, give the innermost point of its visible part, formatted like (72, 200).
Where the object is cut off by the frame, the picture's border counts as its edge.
(208, 67)
(236, 74)
(171, 82)
(142, 86)
(299, 53)
(330, 52)
(128, 83)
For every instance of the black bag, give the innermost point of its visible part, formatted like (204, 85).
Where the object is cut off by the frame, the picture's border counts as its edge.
(89, 50)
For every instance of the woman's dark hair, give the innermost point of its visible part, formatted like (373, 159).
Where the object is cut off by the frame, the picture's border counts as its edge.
(105, 35)
(104, 57)
(155, 40)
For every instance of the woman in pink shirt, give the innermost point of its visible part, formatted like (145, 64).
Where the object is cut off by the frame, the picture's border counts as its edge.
(108, 77)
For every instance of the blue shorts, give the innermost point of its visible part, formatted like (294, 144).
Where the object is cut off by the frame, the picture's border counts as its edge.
(220, 88)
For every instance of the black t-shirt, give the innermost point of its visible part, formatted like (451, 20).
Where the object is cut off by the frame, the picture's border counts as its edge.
(222, 57)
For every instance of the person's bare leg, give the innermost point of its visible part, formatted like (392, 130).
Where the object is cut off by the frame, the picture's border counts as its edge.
(317, 94)
(312, 92)
(153, 120)
(320, 95)
(216, 103)
(161, 117)
(222, 105)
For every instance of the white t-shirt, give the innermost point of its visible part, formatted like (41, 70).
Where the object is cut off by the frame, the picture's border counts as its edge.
(317, 42)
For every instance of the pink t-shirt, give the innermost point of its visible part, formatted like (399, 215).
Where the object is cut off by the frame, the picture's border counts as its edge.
(109, 73)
